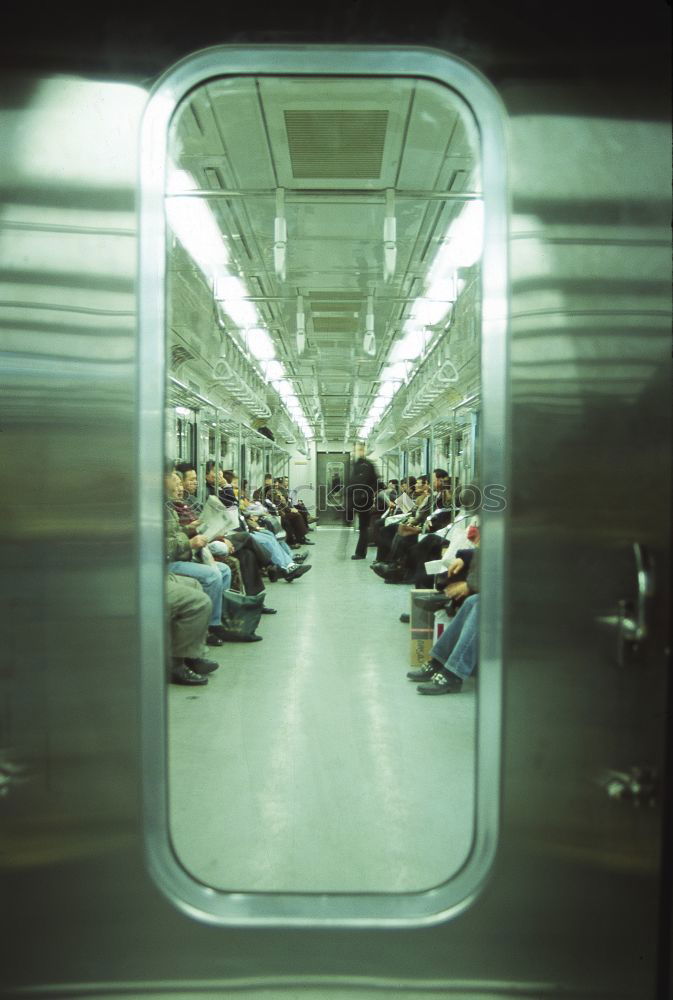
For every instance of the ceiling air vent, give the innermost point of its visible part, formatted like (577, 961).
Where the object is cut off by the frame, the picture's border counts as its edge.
(335, 324)
(336, 144)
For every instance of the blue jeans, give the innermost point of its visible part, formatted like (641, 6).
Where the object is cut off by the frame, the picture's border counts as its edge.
(214, 580)
(278, 552)
(457, 647)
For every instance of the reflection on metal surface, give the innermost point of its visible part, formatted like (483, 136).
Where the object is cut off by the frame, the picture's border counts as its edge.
(639, 785)
(336, 482)
(572, 907)
(632, 631)
(11, 773)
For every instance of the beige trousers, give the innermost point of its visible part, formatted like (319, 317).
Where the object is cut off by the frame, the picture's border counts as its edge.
(189, 611)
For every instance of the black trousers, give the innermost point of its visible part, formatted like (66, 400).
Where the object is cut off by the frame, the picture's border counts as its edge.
(428, 548)
(252, 558)
(386, 537)
(363, 524)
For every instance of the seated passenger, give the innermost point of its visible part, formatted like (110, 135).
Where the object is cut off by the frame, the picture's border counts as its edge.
(253, 551)
(283, 562)
(299, 504)
(262, 493)
(293, 523)
(398, 569)
(414, 546)
(188, 615)
(454, 656)
(443, 537)
(223, 548)
(221, 490)
(275, 557)
(386, 526)
(180, 551)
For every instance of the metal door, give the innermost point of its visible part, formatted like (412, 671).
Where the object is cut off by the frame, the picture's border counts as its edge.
(571, 908)
(333, 471)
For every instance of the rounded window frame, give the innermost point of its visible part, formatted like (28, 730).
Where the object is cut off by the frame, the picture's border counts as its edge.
(284, 909)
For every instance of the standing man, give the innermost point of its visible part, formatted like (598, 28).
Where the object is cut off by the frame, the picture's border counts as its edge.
(362, 496)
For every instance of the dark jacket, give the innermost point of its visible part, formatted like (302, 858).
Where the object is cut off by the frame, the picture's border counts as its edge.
(363, 486)
(471, 559)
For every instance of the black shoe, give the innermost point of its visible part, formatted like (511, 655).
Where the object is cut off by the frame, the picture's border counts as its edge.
(302, 558)
(295, 573)
(443, 682)
(213, 640)
(272, 572)
(307, 542)
(201, 666)
(358, 557)
(405, 618)
(183, 675)
(390, 572)
(228, 636)
(269, 611)
(425, 672)
(381, 568)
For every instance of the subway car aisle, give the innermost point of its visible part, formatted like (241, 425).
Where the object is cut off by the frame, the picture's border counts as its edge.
(309, 762)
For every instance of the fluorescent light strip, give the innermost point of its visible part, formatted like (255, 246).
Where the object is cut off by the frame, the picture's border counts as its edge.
(461, 247)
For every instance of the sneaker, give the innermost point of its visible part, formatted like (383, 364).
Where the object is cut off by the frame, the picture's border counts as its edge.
(302, 558)
(424, 673)
(441, 683)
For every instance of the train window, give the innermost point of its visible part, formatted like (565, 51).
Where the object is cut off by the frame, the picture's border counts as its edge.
(323, 250)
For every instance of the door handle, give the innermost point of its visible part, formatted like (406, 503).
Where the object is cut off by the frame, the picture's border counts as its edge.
(638, 785)
(634, 630)
(632, 623)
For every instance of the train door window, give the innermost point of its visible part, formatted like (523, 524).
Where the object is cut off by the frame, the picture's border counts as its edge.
(325, 228)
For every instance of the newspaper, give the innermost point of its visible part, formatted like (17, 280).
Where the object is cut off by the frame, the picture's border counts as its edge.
(405, 502)
(216, 519)
(435, 566)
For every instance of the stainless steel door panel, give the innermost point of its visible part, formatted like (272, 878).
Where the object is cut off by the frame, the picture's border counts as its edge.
(331, 496)
(571, 905)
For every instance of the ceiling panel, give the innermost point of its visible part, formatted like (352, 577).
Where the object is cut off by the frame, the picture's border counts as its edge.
(321, 139)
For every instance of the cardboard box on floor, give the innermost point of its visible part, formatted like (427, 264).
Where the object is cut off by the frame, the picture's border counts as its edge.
(422, 630)
(441, 621)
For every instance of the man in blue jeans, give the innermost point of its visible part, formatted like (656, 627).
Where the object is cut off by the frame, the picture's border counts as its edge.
(454, 656)
(214, 579)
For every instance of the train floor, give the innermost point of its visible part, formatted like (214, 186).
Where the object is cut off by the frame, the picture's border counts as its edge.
(309, 762)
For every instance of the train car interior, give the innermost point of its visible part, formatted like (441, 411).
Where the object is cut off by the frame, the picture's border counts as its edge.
(323, 281)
